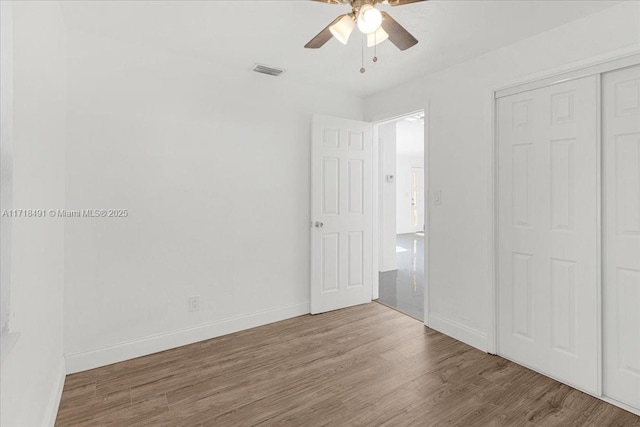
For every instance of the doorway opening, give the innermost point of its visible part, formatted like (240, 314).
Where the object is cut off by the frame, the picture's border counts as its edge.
(402, 225)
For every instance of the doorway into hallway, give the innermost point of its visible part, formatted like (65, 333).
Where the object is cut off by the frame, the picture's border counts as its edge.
(403, 288)
(402, 200)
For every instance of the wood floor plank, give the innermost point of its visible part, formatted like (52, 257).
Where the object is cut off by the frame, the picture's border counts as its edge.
(363, 366)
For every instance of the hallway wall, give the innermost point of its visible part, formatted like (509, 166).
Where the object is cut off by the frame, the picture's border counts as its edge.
(388, 190)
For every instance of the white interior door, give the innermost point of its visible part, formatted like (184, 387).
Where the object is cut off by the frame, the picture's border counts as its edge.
(417, 198)
(341, 213)
(621, 238)
(547, 231)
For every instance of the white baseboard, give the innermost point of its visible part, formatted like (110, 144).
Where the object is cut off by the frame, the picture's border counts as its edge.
(458, 331)
(129, 350)
(54, 401)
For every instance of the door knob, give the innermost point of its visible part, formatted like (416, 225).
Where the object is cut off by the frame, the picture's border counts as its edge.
(319, 224)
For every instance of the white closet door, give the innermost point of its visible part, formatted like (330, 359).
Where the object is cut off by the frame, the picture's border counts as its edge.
(621, 221)
(547, 226)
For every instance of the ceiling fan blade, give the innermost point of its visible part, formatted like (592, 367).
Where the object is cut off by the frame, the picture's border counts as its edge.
(329, 1)
(322, 37)
(398, 35)
(399, 2)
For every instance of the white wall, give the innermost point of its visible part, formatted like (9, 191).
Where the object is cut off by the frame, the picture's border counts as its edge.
(410, 154)
(459, 154)
(387, 134)
(33, 372)
(213, 165)
(6, 158)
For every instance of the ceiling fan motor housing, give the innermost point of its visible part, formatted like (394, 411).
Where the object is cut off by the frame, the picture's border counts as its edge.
(378, 26)
(357, 4)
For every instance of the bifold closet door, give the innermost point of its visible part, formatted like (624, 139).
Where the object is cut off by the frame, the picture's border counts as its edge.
(547, 231)
(621, 237)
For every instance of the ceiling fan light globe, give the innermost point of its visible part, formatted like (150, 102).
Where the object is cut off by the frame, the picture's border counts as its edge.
(342, 29)
(377, 37)
(369, 19)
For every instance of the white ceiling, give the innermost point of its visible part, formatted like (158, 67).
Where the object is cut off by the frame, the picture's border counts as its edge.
(240, 33)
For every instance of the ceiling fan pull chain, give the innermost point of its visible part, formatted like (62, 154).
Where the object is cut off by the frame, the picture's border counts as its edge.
(375, 47)
(362, 70)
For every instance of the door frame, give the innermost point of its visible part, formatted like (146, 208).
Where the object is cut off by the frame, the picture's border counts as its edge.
(593, 66)
(378, 205)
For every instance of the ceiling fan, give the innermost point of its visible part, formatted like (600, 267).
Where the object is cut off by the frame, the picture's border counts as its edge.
(376, 25)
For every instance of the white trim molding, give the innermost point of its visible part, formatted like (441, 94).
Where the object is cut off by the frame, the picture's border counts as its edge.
(458, 331)
(56, 396)
(599, 65)
(78, 362)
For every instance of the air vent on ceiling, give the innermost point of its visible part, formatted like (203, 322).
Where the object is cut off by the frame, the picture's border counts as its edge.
(271, 71)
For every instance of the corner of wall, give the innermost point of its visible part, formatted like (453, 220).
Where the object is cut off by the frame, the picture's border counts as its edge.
(83, 361)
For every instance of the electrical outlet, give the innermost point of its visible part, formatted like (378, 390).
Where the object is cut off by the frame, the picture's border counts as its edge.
(194, 303)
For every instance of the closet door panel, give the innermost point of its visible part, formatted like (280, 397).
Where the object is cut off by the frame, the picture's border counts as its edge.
(621, 235)
(547, 230)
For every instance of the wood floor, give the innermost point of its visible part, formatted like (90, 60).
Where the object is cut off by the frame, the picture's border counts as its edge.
(363, 366)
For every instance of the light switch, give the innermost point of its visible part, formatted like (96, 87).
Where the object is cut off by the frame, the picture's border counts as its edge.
(437, 197)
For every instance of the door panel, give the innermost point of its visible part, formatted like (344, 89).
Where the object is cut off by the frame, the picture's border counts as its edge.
(621, 237)
(330, 186)
(330, 262)
(547, 230)
(341, 213)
